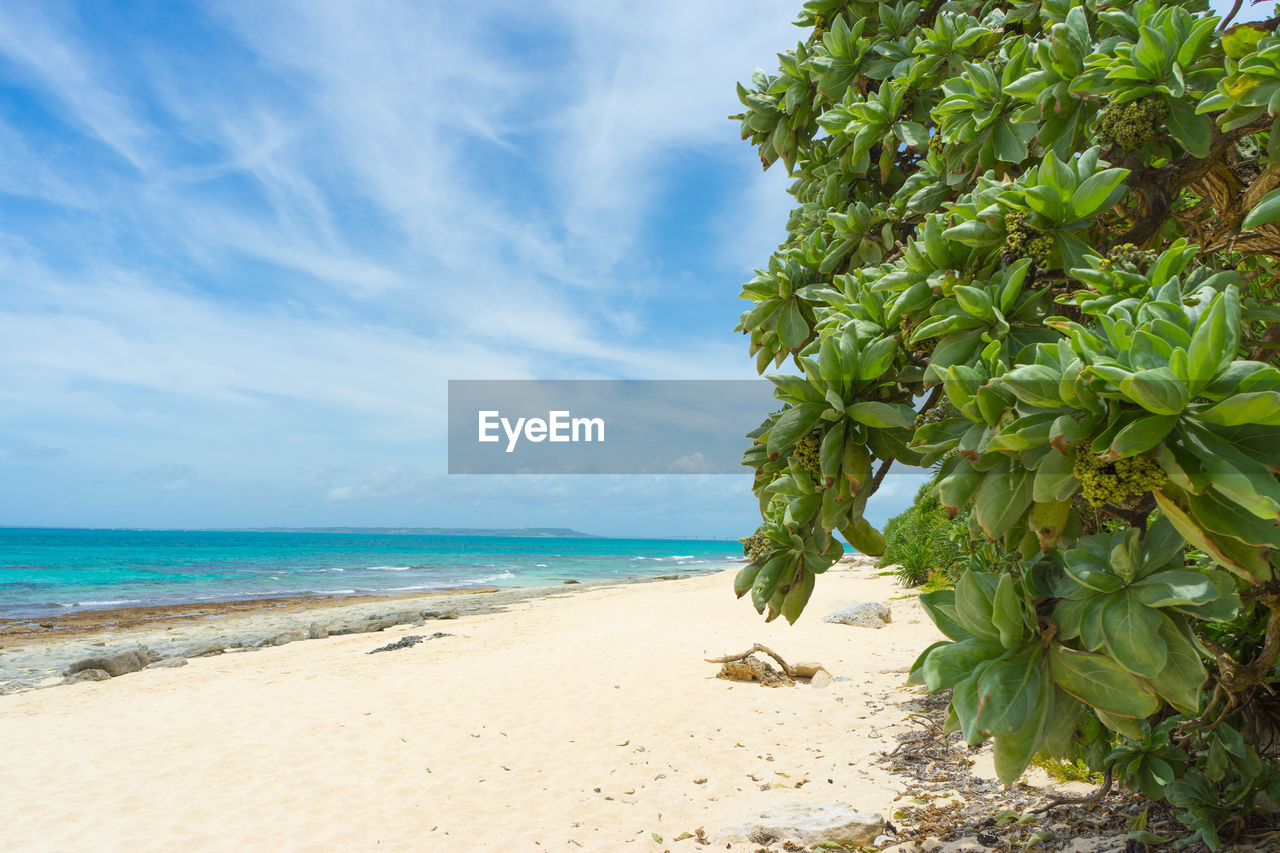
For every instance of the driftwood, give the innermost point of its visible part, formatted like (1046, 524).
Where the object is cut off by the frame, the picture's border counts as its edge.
(747, 667)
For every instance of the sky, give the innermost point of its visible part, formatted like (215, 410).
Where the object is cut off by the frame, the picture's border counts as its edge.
(244, 245)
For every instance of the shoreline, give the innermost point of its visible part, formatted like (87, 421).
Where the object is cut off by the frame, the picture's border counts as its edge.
(587, 716)
(33, 656)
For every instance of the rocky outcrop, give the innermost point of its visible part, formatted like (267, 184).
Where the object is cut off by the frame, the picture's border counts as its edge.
(203, 649)
(869, 614)
(87, 675)
(168, 663)
(114, 665)
(808, 824)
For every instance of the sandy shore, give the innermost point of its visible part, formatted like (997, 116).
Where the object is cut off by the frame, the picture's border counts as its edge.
(581, 720)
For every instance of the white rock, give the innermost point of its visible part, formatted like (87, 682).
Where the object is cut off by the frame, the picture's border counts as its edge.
(869, 614)
(808, 823)
(820, 679)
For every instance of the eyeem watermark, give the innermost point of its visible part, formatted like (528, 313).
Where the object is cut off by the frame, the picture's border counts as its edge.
(685, 426)
(558, 426)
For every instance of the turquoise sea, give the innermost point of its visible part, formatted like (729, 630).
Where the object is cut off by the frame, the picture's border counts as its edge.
(44, 571)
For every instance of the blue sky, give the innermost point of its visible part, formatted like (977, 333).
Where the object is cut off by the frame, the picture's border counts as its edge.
(243, 246)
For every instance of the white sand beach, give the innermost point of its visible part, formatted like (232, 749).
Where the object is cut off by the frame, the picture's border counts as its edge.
(588, 719)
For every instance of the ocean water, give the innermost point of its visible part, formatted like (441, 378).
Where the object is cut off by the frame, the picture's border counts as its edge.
(49, 571)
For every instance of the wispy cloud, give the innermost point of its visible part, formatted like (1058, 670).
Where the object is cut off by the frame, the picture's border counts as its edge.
(267, 236)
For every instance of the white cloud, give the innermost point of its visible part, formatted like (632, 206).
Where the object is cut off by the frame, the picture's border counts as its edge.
(292, 244)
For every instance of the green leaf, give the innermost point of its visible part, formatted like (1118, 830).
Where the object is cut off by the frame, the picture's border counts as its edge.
(1133, 637)
(795, 388)
(975, 594)
(1036, 384)
(1267, 210)
(949, 664)
(1101, 682)
(912, 134)
(1094, 192)
(1002, 499)
(1188, 128)
(1183, 675)
(1008, 691)
(1259, 407)
(1156, 390)
(863, 537)
(940, 604)
(793, 423)
(792, 327)
(1175, 587)
(1007, 613)
(1142, 435)
(1055, 479)
(1012, 752)
(882, 415)
(964, 701)
(875, 359)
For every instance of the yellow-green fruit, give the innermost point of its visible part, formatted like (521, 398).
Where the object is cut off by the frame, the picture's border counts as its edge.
(1023, 241)
(1116, 482)
(1132, 124)
(756, 547)
(1128, 257)
(935, 144)
(808, 452)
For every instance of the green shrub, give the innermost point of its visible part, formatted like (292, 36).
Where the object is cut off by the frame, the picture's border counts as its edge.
(1057, 224)
(921, 541)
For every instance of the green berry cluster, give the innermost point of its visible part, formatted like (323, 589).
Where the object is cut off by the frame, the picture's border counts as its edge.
(1127, 257)
(1116, 482)
(806, 452)
(1023, 241)
(1132, 124)
(935, 144)
(942, 411)
(757, 547)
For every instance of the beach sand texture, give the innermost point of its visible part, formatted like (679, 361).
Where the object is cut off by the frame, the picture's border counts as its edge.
(584, 721)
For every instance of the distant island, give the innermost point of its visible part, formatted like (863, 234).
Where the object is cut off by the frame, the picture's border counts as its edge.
(540, 532)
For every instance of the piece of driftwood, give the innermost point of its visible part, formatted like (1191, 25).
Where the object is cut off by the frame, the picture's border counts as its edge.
(747, 667)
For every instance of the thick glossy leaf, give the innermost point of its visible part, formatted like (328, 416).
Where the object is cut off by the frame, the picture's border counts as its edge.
(940, 605)
(1141, 435)
(1188, 128)
(1158, 391)
(1060, 726)
(1127, 726)
(1175, 587)
(1055, 479)
(1183, 675)
(1012, 752)
(1002, 499)
(975, 604)
(1267, 210)
(1048, 519)
(964, 701)
(793, 424)
(1101, 682)
(916, 674)
(1009, 691)
(947, 665)
(1262, 407)
(1092, 195)
(1161, 544)
(792, 327)
(1036, 384)
(1006, 613)
(1132, 632)
(882, 415)
(794, 388)
(863, 537)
